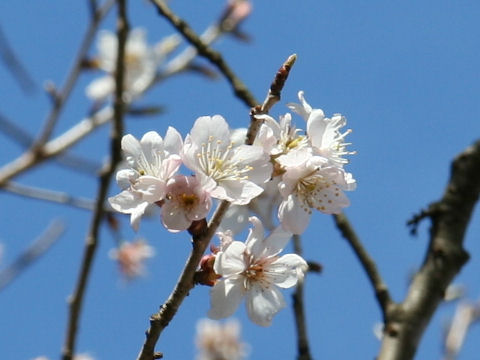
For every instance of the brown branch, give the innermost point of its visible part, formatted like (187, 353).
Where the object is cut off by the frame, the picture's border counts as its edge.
(37, 249)
(162, 318)
(204, 50)
(76, 300)
(303, 346)
(443, 261)
(381, 291)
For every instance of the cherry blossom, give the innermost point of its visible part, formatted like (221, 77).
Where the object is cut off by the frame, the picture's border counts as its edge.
(310, 182)
(255, 270)
(217, 341)
(228, 171)
(153, 161)
(141, 63)
(185, 201)
(130, 257)
(324, 133)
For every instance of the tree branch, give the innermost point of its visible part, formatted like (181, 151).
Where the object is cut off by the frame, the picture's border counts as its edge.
(204, 50)
(443, 261)
(76, 300)
(381, 291)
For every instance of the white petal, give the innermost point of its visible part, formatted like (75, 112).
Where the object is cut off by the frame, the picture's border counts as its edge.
(126, 177)
(286, 271)
(129, 202)
(225, 297)
(293, 216)
(173, 141)
(152, 188)
(99, 89)
(254, 241)
(231, 261)
(263, 304)
(275, 242)
(131, 147)
(238, 192)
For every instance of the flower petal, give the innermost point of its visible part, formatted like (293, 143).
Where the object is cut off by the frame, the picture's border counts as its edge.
(293, 216)
(230, 261)
(287, 270)
(225, 297)
(263, 304)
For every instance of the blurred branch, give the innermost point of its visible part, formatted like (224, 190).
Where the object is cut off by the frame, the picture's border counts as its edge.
(60, 97)
(381, 291)
(49, 195)
(53, 232)
(204, 50)
(443, 260)
(76, 300)
(303, 346)
(55, 146)
(24, 139)
(14, 65)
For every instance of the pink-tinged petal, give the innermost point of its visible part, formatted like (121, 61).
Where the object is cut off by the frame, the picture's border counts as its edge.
(287, 270)
(174, 219)
(293, 216)
(263, 304)
(152, 188)
(170, 166)
(225, 297)
(231, 261)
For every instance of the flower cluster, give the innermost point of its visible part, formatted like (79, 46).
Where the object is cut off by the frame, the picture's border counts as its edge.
(285, 167)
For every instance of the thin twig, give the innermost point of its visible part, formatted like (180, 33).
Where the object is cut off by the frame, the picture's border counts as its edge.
(14, 65)
(381, 291)
(44, 242)
(61, 97)
(204, 50)
(76, 300)
(50, 196)
(303, 346)
(444, 259)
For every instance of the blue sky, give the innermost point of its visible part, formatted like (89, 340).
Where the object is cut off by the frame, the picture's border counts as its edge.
(406, 76)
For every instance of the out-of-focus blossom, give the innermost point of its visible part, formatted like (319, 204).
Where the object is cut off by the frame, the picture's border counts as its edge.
(465, 315)
(76, 357)
(186, 200)
(255, 270)
(141, 63)
(217, 341)
(228, 172)
(130, 257)
(153, 161)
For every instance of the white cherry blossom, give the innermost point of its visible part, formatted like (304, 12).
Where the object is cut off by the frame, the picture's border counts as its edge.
(229, 171)
(310, 182)
(141, 63)
(324, 133)
(255, 270)
(153, 161)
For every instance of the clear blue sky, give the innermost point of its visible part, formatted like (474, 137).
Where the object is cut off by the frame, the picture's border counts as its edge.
(405, 74)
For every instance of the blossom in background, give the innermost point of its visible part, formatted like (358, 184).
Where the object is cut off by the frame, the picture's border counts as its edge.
(255, 270)
(186, 200)
(228, 171)
(310, 182)
(217, 341)
(130, 257)
(76, 357)
(153, 161)
(141, 63)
